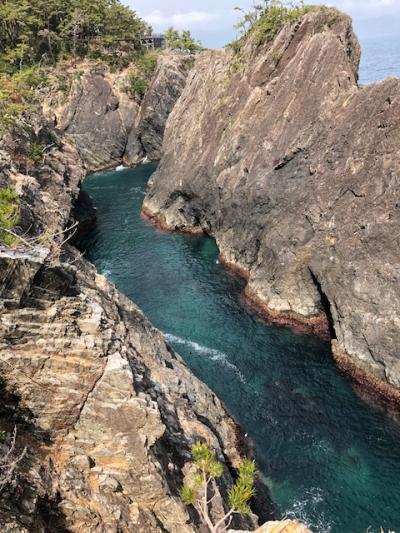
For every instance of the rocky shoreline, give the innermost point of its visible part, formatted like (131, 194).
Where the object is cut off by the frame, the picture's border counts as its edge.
(318, 326)
(296, 177)
(107, 410)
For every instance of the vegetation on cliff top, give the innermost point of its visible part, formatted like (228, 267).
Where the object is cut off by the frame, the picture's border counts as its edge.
(9, 214)
(37, 34)
(43, 31)
(139, 78)
(181, 41)
(201, 489)
(263, 21)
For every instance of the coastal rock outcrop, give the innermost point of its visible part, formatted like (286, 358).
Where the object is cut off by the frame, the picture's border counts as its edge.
(107, 410)
(294, 169)
(285, 526)
(108, 124)
(169, 80)
(110, 410)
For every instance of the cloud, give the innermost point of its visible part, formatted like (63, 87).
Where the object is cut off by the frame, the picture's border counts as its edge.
(179, 20)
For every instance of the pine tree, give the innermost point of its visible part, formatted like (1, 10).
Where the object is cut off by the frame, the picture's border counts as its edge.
(200, 491)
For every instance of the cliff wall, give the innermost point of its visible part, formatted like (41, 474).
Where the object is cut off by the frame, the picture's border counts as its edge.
(107, 410)
(109, 124)
(294, 169)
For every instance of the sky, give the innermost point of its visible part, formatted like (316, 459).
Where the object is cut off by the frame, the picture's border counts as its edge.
(212, 21)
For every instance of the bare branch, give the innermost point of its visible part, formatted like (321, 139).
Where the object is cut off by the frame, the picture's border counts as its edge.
(10, 461)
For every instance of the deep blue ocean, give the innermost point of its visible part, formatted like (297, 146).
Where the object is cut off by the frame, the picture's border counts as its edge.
(380, 58)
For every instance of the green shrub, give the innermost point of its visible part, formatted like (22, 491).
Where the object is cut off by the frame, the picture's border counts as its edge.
(139, 79)
(17, 94)
(36, 152)
(208, 469)
(147, 63)
(274, 17)
(181, 40)
(9, 214)
(137, 85)
(30, 78)
(263, 23)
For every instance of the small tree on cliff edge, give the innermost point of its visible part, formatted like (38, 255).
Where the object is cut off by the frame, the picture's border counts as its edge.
(181, 40)
(200, 491)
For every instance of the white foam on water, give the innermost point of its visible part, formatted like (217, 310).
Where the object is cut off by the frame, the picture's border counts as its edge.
(120, 167)
(138, 190)
(300, 511)
(211, 353)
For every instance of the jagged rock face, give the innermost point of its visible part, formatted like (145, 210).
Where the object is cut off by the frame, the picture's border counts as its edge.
(146, 137)
(118, 408)
(98, 116)
(107, 410)
(109, 126)
(47, 188)
(295, 171)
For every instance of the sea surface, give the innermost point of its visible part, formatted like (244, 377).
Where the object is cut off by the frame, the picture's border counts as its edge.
(330, 458)
(380, 58)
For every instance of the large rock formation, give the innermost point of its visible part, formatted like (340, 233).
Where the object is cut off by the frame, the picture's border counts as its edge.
(110, 410)
(294, 169)
(109, 125)
(147, 135)
(285, 526)
(107, 410)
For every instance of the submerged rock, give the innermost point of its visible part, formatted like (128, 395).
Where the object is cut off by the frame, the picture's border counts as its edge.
(294, 169)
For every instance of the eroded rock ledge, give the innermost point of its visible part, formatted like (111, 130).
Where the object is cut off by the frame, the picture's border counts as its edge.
(294, 170)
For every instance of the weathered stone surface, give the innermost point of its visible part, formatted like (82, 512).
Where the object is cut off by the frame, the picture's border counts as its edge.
(295, 171)
(146, 137)
(106, 408)
(106, 123)
(98, 114)
(285, 526)
(119, 408)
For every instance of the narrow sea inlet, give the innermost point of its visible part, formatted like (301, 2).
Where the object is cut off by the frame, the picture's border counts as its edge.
(330, 458)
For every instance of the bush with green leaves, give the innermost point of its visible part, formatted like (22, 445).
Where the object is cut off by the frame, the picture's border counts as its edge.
(17, 93)
(181, 40)
(200, 490)
(137, 85)
(9, 214)
(139, 79)
(264, 21)
(39, 31)
(36, 152)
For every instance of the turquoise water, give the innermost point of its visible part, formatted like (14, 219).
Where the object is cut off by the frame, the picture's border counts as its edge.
(329, 458)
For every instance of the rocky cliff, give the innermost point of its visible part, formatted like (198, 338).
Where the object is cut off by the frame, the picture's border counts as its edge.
(108, 124)
(294, 169)
(107, 410)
